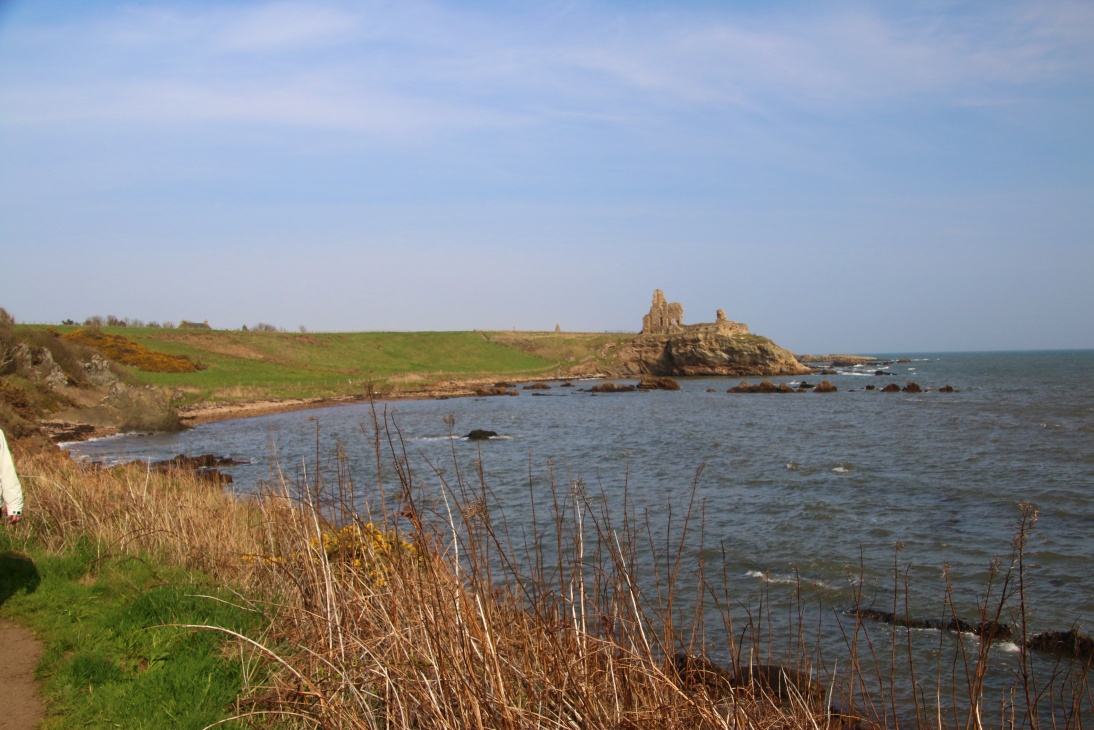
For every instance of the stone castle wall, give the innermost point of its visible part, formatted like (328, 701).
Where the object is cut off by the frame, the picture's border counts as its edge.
(665, 318)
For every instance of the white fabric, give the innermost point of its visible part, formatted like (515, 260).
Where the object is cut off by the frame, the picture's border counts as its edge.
(9, 480)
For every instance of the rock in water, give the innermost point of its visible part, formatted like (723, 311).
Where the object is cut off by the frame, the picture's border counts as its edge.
(658, 383)
(481, 435)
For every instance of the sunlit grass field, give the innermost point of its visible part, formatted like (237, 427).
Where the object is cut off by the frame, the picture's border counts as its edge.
(239, 365)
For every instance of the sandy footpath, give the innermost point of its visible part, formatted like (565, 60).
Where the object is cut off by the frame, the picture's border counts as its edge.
(20, 706)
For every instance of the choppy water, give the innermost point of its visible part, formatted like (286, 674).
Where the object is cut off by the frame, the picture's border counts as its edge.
(818, 486)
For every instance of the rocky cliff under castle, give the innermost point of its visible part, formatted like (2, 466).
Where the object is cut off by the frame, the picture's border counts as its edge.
(667, 346)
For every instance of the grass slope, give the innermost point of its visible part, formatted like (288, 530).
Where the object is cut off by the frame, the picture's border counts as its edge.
(253, 365)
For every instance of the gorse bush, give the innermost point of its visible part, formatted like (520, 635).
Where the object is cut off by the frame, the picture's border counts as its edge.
(128, 352)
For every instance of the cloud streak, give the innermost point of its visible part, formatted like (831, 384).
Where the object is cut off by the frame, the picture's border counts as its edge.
(430, 69)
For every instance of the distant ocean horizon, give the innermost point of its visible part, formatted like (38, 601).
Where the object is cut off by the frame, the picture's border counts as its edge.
(809, 492)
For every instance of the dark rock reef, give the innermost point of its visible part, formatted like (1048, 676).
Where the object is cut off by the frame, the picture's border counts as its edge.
(658, 383)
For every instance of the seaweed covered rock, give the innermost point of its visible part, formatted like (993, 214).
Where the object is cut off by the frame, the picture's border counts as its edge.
(500, 389)
(1066, 644)
(658, 383)
(611, 387)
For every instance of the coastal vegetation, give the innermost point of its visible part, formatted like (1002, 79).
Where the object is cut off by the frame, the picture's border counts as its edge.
(126, 351)
(232, 365)
(406, 599)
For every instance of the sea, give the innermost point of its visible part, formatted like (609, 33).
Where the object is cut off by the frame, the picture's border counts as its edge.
(800, 506)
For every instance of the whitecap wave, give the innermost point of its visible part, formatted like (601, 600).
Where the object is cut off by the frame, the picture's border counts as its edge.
(790, 580)
(111, 437)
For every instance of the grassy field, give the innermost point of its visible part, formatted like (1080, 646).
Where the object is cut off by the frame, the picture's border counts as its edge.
(256, 365)
(115, 653)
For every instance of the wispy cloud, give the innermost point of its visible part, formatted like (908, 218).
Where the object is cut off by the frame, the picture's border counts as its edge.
(379, 69)
(289, 26)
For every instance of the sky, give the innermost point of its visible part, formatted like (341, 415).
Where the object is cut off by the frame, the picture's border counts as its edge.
(840, 176)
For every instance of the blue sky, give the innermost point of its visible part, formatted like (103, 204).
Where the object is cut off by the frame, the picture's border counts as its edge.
(841, 176)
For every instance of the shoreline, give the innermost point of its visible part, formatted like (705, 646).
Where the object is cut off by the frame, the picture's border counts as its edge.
(214, 412)
(200, 413)
(65, 432)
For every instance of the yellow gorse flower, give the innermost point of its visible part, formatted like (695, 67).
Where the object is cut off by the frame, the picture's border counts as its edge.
(368, 549)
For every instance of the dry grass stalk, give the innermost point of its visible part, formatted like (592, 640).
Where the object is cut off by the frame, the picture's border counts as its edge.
(419, 610)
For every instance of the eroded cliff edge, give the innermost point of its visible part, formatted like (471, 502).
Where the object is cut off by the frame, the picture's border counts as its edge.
(667, 346)
(704, 353)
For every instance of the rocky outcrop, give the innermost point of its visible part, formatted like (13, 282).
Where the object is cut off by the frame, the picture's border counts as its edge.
(840, 361)
(100, 371)
(141, 408)
(610, 387)
(658, 383)
(1068, 644)
(704, 353)
(987, 629)
(499, 389)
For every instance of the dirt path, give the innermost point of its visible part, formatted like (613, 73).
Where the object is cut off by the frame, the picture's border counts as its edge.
(20, 707)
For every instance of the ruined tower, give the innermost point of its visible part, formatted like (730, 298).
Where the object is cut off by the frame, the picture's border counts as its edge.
(664, 317)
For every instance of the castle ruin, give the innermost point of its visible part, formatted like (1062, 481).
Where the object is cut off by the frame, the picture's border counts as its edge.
(664, 317)
(667, 318)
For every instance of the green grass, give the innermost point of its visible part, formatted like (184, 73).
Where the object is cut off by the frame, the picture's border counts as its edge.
(114, 654)
(251, 365)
